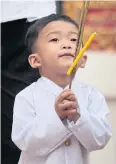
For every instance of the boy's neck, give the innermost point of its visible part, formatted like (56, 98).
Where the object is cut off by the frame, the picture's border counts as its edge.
(62, 80)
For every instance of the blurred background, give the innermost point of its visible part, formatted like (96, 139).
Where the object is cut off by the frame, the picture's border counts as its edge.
(101, 65)
(100, 71)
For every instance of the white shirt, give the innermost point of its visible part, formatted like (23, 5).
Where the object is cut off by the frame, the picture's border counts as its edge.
(30, 9)
(40, 134)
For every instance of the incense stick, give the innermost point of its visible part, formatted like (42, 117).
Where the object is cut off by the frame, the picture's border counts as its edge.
(80, 35)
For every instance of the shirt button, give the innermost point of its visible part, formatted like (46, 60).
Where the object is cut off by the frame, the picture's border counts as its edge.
(68, 142)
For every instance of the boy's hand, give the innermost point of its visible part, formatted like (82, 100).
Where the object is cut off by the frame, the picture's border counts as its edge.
(73, 116)
(66, 105)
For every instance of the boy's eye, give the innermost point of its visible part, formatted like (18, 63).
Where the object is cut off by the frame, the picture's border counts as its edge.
(54, 40)
(73, 40)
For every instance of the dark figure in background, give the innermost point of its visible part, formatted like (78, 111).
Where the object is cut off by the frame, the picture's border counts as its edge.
(16, 75)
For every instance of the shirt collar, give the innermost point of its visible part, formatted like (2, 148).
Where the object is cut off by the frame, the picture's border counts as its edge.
(51, 86)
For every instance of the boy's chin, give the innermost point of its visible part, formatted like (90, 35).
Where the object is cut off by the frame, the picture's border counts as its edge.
(66, 65)
(65, 69)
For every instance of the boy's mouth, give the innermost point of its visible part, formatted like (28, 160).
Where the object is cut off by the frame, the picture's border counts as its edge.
(67, 54)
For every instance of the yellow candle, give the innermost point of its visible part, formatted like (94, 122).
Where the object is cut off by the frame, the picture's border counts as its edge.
(81, 53)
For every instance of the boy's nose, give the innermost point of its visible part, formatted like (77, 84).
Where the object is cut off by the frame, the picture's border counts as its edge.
(66, 47)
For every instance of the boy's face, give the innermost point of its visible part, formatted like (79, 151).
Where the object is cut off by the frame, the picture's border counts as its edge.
(56, 46)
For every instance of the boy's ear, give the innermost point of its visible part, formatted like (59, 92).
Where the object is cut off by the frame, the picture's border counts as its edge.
(34, 60)
(83, 61)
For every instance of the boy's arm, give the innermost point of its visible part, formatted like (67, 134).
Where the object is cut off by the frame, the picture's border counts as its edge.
(38, 135)
(92, 128)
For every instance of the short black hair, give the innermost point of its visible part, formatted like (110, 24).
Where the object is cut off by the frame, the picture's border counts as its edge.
(35, 29)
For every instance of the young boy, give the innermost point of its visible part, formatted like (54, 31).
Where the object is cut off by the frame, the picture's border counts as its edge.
(51, 123)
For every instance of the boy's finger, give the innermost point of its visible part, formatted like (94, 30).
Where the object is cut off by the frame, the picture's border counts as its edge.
(65, 101)
(64, 95)
(71, 98)
(70, 112)
(67, 105)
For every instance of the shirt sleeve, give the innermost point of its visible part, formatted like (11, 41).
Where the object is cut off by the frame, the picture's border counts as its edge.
(36, 134)
(92, 128)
